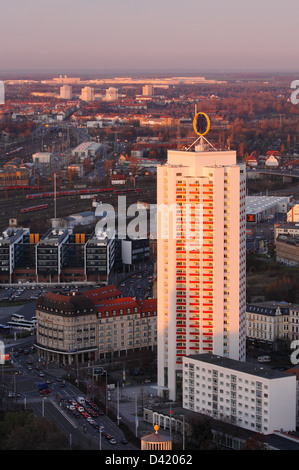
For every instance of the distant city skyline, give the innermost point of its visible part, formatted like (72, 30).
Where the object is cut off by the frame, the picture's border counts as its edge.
(164, 36)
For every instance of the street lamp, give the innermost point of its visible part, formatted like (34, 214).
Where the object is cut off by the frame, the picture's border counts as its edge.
(136, 415)
(100, 371)
(183, 416)
(100, 438)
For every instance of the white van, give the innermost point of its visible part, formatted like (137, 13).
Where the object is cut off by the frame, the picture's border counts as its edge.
(81, 400)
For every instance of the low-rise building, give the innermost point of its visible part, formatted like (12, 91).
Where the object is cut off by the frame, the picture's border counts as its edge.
(293, 215)
(49, 255)
(289, 229)
(10, 176)
(66, 328)
(251, 396)
(9, 239)
(294, 323)
(287, 250)
(42, 158)
(93, 325)
(260, 208)
(267, 321)
(85, 150)
(100, 256)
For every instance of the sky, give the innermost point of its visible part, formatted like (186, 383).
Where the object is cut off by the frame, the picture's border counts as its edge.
(149, 35)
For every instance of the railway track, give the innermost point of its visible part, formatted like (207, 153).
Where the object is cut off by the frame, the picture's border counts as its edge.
(11, 206)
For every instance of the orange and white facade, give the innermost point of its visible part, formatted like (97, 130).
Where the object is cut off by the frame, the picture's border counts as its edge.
(201, 260)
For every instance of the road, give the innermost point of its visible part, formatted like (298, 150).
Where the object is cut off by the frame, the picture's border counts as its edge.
(22, 387)
(136, 284)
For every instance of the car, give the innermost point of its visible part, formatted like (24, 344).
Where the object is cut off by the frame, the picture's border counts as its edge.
(124, 441)
(45, 392)
(112, 441)
(41, 374)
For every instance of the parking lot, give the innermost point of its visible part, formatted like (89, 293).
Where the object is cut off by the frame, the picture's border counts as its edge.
(138, 285)
(27, 292)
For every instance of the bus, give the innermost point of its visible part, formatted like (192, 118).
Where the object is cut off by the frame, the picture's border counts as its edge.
(4, 329)
(25, 325)
(17, 317)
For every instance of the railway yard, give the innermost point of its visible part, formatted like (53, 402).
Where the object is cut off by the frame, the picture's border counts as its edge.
(35, 209)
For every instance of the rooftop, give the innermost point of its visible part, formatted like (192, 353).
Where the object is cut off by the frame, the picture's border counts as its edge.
(239, 366)
(269, 308)
(74, 303)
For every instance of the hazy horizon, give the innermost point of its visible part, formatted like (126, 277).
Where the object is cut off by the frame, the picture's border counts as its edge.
(149, 37)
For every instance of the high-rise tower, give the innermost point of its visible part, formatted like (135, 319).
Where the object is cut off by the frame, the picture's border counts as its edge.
(201, 259)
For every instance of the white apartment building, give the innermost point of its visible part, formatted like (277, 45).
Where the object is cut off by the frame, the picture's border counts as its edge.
(66, 92)
(257, 398)
(201, 260)
(148, 90)
(87, 94)
(112, 94)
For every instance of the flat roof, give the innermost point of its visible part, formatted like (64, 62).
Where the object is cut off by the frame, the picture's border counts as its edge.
(11, 234)
(255, 204)
(239, 366)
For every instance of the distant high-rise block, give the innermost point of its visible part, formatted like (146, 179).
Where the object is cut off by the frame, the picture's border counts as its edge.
(148, 90)
(112, 94)
(201, 260)
(66, 92)
(87, 94)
